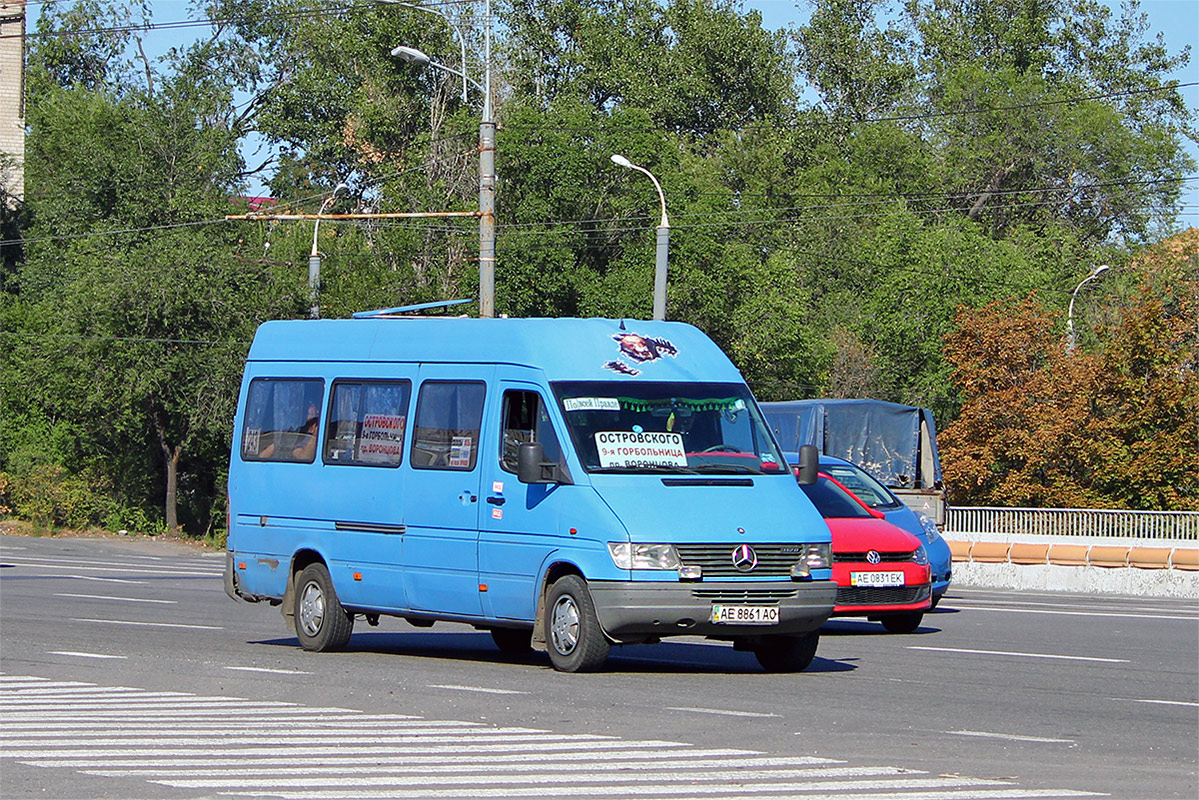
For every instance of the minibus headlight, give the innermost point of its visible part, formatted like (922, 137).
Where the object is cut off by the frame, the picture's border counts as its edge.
(920, 555)
(627, 555)
(817, 556)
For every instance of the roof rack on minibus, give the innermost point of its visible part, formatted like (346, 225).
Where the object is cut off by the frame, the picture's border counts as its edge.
(396, 312)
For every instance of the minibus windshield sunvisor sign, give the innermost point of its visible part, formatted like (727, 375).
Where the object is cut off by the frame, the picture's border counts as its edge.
(626, 449)
(667, 426)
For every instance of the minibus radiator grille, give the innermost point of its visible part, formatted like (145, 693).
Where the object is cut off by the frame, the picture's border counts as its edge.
(745, 595)
(843, 558)
(774, 560)
(880, 595)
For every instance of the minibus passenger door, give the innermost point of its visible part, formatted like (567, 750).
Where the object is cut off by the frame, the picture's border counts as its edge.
(520, 521)
(442, 502)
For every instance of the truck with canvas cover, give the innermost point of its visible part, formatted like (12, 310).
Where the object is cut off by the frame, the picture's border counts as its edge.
(897, 444)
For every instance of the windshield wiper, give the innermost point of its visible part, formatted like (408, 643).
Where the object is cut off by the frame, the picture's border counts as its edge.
(727, 468)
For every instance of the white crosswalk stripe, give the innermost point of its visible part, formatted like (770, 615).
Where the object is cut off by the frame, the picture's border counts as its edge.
(234, 748)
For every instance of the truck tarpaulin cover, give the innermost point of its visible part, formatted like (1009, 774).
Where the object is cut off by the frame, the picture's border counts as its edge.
(884, 438)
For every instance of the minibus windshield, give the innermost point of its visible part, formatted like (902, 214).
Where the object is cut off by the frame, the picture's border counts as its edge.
(667, 428)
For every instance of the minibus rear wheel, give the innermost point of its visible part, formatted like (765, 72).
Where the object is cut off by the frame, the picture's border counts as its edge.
(576, 640)
(787, 653)
(321, 623)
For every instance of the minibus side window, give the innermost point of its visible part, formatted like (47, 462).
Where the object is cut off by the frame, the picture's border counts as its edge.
(366, 423)
(282, 419)
(525, 420)
(449, 415)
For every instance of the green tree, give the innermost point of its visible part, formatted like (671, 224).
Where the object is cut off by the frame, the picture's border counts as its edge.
(130, 314)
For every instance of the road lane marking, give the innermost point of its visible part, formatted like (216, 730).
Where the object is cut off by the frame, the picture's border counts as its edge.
(82, 655)
(748, 780)
(186, 740)
(151, 624)
(304, 727)
(1021, 603)
(569, 760)
(1021, 655)
(1077, 613)
(1159, 702)
(217, 749)
(680, 792)
(94, 578)
(482, 689)
(175, 573)
(720, 711)
(272, 671)
(1011, 737)
(109, 597)
(698, 792)
(524, 773)
(435, 736)
(565, 762)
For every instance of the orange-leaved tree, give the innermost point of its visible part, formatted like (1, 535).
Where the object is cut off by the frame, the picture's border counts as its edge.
(1113, 427)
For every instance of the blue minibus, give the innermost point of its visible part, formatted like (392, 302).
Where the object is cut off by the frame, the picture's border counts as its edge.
(565, 484)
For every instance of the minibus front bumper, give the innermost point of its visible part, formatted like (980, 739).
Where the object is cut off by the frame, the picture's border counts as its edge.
(632, 610)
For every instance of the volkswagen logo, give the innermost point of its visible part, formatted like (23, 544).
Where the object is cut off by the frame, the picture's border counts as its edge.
(744, 558)
(873, 557)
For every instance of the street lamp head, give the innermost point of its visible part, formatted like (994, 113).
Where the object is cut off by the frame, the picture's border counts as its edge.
(411, 54)
(1099, 269)
(621, 161)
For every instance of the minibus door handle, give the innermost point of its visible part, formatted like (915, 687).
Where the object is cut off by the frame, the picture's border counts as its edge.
(468, 497)
(496, 501)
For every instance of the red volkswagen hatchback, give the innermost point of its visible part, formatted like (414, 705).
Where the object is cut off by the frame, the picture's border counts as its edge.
(881, 570)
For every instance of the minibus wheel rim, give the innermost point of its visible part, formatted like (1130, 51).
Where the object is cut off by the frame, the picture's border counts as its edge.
(564, 625)
(312, 608)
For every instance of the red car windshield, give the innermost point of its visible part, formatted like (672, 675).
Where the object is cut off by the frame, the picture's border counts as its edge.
(832, 500)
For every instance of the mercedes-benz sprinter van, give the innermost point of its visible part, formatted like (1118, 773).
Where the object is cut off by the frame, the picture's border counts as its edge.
(566, 484)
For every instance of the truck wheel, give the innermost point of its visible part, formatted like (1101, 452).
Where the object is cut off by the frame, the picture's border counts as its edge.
(902, 623)
(787, 653)
(576, 641)
(512, 641)
(321, 623)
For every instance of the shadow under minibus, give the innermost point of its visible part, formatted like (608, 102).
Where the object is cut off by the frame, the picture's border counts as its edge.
(674, 656)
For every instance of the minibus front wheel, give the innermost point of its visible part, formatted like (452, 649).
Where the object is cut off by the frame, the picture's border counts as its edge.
(576, 640)
(786, 653)
(321, 623)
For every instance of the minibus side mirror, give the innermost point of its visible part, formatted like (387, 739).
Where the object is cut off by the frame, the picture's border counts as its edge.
(531, 466)
(809, 464)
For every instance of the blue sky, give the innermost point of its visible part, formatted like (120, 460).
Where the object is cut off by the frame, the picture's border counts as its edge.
(1176, 20)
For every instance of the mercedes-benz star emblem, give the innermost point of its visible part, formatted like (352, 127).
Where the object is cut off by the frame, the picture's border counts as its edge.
(873, 557)
(744, 558)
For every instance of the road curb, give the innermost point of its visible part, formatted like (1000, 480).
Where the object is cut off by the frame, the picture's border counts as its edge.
(1128, 569)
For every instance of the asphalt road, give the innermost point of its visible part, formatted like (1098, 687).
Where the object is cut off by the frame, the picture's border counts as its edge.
(125, 672)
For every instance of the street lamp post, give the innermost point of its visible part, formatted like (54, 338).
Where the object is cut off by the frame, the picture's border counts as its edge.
(1095, 273)
(486, 158)
(663, 249)
(314, 259)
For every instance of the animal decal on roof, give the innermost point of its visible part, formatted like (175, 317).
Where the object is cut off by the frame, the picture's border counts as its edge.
(640, 350)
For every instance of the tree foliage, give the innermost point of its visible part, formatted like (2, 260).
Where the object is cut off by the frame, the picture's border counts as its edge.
(957, 155)
(1113, 426)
